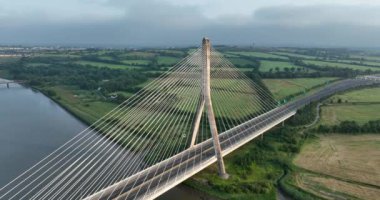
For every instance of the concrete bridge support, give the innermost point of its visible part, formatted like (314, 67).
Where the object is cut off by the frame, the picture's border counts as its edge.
(208, 104)
(205, 103)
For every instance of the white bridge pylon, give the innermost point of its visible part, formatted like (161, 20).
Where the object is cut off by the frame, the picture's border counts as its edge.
(206, 102)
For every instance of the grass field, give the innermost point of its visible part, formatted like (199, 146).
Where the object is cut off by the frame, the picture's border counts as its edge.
(139, 54)
(351, 163)
(364, 62)
(340, 65)
(358, 105)
(136, 62)
(167, 60)
(334, 114)
(293, 55)
(282, 88)
(84, 104)
(266, 66)
(240, 61)
(257, 54)
(111, 66)
(366, 58)
(362, 95)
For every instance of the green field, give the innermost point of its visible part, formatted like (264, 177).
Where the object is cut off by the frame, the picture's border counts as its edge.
(266, 66)
(294, 55)
(87, 106)
(358, 105)
(241, 61)
(167, 60)
(136, 62)
(363, 95)
(340, 65)
(139, 54)
(107, 65)
(257, 54)
(282, 88)
(355, 62)
(360, 113)
(366, 58)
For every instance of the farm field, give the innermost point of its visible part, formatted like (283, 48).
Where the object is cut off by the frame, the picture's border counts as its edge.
(167, 60)
(293, 55)
(331, 188)
(362, 95)
(86, 105)
(136, 62)
(357, 105)
(282, 88)
(340, 65)
(358, 62)
(334, 114)
(241, 62)
(107, 65)
(266, 66)
(350, 163)
(257, 54)
(366, 58)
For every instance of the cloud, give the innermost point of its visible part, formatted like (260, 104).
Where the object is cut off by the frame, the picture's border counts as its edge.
(172, 23)
(319, 14)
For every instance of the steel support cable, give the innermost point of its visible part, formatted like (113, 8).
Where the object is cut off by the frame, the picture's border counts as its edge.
(252, 87)
(228, 63)
(233, 120)
(121, 168)
(178, 169)
(158, 131)
(266, 93)
(190, 86)
(109, 115)
(177, 173)
(235, 87)
(248, 81)
(127, 183)
(107, 167)
(194, 100)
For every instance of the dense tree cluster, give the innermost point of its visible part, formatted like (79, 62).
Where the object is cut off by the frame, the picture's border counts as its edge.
(350, 127)
(84, 77)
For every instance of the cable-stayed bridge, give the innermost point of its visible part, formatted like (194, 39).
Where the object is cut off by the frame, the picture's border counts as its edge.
(183, 121)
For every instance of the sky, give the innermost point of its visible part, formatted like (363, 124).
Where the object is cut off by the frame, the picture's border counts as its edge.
(143, 23)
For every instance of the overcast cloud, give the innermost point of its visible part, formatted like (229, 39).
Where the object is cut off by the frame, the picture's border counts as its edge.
(342, 23)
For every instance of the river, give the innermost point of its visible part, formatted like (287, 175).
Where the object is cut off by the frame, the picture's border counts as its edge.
(32, 126)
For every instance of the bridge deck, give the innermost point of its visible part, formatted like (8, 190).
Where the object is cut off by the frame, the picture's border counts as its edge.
(159, 178)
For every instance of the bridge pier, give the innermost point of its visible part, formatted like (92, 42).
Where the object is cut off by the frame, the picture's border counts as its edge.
(208, 104)
(7, 85)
